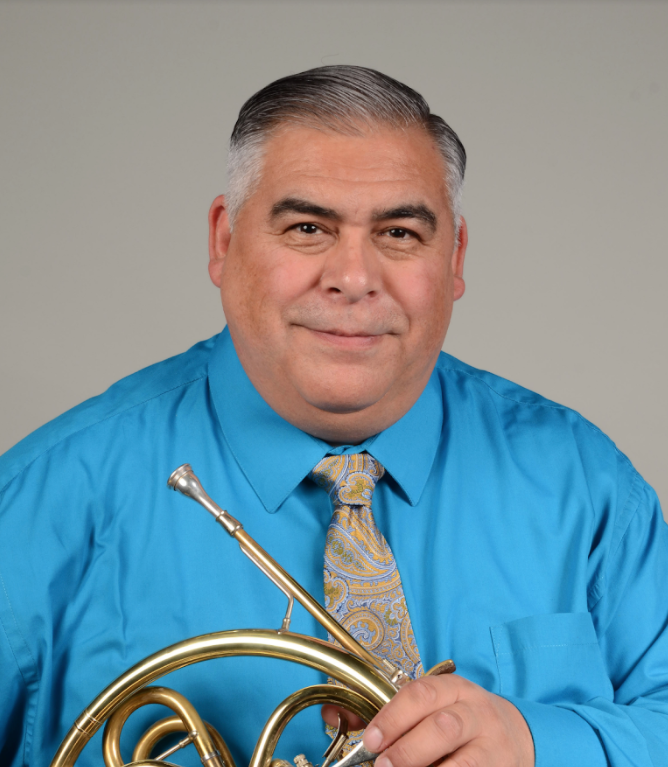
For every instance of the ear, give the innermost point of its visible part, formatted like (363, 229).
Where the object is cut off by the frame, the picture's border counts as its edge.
(457, 261)
(219, 238)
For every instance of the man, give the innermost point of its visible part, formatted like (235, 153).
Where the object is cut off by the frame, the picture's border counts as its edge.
(528, 548)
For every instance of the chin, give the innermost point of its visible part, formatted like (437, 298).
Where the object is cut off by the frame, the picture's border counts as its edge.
(341, 408)
(336, 401)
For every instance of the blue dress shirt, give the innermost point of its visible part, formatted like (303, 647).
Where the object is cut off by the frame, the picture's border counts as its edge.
(530, 550)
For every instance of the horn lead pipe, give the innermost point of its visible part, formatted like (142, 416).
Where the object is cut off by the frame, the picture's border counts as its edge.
(185, 481)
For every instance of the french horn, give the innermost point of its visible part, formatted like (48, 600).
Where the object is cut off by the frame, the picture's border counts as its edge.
(367, 683)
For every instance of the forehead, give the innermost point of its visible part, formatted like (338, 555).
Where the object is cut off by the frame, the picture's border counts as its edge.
(397, 165)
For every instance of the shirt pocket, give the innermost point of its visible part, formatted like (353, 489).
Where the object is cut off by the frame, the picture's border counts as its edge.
(551, 659)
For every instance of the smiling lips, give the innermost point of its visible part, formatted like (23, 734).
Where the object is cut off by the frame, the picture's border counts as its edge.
(347, 339)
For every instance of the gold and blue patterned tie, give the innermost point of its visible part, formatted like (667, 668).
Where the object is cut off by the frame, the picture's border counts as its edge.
(363, 589)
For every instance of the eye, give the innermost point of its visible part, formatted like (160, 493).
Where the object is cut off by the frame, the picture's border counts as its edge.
(398, 233)
(307, 228)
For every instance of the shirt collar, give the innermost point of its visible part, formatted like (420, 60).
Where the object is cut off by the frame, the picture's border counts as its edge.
(276, 456)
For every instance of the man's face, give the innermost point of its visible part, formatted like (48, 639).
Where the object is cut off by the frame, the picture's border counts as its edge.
(339, 277)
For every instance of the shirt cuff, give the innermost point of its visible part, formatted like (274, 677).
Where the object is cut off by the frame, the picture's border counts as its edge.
(560, 737)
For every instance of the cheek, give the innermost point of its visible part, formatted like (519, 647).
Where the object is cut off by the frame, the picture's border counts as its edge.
(241, 287)
(260, 284)
(423, 297)
(287, 281)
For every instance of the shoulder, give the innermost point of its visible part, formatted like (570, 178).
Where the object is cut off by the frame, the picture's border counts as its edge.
(567, 460)
(540, 434)
(132, 393)
(453, 369)
(507, 396)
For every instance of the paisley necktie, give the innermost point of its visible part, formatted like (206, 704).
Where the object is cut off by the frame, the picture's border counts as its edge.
(363, 589)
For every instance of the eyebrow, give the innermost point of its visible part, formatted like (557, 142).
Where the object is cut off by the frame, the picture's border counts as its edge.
(297, 205)
(420, 212)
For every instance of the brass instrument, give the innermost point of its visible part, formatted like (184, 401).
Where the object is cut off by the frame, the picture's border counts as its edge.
(369, 682)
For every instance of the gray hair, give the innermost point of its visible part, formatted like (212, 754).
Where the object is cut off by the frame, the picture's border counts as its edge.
(343, 99)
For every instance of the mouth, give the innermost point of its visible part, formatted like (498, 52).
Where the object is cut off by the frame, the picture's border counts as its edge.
(347, 339)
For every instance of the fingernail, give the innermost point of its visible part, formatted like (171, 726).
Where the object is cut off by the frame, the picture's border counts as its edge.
(373, 739)
(383, 761)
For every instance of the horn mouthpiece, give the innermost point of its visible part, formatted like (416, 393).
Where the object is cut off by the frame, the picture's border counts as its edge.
(178, 474)
(185, 481)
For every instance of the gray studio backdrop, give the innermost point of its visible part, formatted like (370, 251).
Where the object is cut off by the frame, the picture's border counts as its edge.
(114, 118)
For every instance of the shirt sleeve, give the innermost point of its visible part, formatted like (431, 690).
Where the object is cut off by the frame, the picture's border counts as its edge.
(42, 539)
(14, 698)
(629, 609)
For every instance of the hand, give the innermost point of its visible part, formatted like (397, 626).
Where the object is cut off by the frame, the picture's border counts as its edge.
(330, 713)
(449, 721)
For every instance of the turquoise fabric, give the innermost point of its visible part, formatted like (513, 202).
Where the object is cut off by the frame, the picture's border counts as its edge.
(529, 548)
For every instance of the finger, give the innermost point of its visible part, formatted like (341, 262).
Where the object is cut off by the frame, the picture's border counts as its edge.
(330, 713)
(439, 734)
(468, 755)
(411, 705)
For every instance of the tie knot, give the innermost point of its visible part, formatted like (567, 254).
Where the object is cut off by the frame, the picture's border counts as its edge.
(348, 479)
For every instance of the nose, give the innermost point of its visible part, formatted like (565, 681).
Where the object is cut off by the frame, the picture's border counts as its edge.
(352, 269)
